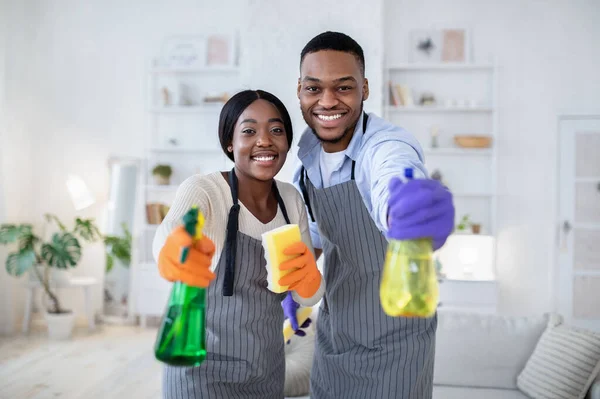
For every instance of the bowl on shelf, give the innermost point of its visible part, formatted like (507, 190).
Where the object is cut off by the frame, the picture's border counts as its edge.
(473, 141)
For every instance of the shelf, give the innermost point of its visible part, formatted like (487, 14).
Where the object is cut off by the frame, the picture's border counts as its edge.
(586, 226)
(586, 273)
(472, 195)
(186, 150)
(208, 69)
(458, 151)
(587, 179)
(164, 189)
(440, 67)
(193, 109)
(433, 109)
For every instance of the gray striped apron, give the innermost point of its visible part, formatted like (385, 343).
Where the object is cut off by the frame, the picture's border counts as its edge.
(245, 348)
(361, 352)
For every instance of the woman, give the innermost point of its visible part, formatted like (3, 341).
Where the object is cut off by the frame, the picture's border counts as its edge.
(245, 348)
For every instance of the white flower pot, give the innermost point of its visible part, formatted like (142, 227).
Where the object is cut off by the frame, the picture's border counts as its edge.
(60, 325)
(161, 180)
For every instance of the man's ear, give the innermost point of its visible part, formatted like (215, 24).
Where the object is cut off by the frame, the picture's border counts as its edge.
(365, 89)
(298, 88)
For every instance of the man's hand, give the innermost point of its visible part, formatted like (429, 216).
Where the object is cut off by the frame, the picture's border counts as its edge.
(420, 208)
(290, 307)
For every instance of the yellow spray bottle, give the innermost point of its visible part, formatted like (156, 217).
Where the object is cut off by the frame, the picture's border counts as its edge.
(409, 286)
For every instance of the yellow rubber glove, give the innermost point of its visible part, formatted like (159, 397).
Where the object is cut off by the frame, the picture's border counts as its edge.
(306, 279)
(195, 271)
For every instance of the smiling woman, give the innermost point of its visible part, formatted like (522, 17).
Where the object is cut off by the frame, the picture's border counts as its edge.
(244, 320)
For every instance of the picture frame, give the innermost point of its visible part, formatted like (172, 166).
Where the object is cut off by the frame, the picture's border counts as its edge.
(183, 52)
(199, 51)
(440, 45)
(221, 50)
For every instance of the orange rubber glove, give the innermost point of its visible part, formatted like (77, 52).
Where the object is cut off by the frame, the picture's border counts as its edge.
(307, 278)
(195, 271)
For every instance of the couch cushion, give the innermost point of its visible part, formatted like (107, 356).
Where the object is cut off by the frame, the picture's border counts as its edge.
(483, 350)
(446, 392)
(564, 364)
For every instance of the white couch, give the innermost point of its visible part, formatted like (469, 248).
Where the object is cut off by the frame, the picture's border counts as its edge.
(480, 355)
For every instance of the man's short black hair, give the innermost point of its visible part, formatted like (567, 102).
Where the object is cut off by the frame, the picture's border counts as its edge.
(335, 41)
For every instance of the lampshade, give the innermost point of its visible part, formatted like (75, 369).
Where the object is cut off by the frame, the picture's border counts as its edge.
(81, 195)
(468, 256)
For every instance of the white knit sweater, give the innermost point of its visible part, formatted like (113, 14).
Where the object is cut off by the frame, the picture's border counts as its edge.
(212, 195)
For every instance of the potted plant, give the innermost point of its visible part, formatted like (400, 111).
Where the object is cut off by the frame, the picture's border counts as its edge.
(61, 252)
(162, 174)
(118, 248)
(465, 223)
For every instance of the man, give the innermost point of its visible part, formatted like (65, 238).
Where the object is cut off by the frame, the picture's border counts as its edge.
(351, 163)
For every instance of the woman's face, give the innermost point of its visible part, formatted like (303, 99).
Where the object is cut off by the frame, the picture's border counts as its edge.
(259, 143)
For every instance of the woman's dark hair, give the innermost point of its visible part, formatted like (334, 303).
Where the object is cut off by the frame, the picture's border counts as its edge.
(235, 107)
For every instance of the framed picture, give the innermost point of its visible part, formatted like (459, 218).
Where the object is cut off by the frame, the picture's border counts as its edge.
(451, 45)
(220, 50)
(183, 52)
(425, 46)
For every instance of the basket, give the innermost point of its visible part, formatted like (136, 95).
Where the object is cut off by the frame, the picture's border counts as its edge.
(473, 141)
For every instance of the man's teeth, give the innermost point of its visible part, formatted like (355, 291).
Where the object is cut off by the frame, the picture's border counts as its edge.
(329, 117)
(269, 158)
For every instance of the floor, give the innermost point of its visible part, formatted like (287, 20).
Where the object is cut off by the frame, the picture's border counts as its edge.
(113, 362)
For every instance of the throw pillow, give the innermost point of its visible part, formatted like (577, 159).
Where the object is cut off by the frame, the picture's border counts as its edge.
(564, 363)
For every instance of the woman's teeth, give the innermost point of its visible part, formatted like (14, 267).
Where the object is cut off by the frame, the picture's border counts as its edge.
(329, 117)
(264, 159)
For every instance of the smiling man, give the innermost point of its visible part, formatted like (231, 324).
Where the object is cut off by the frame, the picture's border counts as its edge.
(351, 162)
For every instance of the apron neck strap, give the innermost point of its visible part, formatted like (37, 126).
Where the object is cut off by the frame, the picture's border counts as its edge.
(233, 228)
(303, 173)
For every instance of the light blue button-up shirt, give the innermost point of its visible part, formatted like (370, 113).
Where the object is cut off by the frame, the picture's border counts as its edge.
(381, 152)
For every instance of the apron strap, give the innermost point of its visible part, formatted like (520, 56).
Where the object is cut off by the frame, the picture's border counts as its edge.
(303, 171)
(231, 236)
(305, 194)
(232, 230)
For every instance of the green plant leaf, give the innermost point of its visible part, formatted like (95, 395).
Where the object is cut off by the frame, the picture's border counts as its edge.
(18, 263)
(110, 262)
(63, 251)
(53, 218)
(119, 247)
(10, 233)
(87, 229)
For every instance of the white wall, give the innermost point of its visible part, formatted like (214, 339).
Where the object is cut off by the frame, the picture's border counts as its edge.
(6, 313)
(549, 58)
(15, 144)
(77, 82)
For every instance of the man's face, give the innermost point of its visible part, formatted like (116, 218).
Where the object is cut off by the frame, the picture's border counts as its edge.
(331, 90)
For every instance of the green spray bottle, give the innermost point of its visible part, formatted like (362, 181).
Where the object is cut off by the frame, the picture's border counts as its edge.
(181, 339)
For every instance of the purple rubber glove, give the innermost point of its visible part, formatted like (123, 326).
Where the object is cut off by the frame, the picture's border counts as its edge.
(289, 310)
(420, 208)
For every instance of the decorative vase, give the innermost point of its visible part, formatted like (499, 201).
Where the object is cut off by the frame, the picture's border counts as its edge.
(161, 180)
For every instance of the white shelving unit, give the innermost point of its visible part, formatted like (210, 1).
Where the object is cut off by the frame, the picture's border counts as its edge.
(182, 133)
(465, 97)
(465, 104)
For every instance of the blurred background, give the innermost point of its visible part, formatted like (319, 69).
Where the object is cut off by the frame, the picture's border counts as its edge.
(107, 106)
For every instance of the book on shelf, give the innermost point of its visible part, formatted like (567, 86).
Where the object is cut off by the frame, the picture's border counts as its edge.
(400, 95)
(156, 212)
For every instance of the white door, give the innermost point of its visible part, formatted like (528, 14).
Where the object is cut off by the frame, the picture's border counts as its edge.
(579, 217)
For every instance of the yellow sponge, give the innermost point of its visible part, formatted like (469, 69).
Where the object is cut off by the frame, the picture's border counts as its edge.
(301, 314)
(274, 242)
